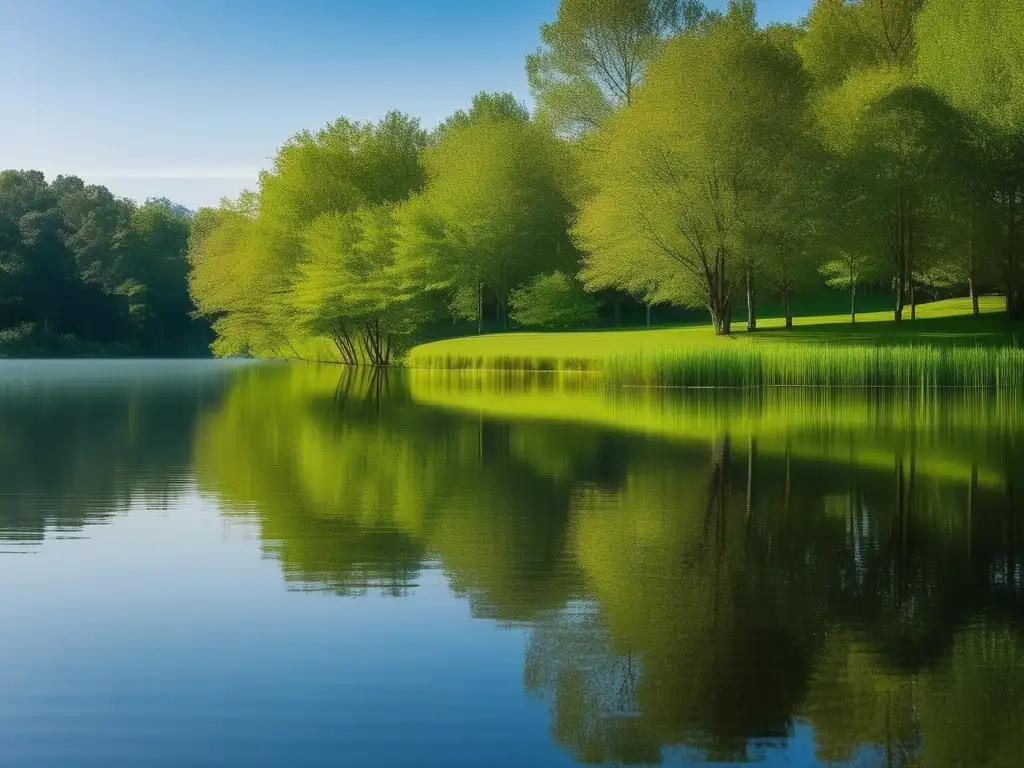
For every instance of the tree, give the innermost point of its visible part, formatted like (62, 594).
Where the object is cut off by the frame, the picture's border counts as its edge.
(485, 106)
(847, 37)
(685, 174)
(269, 241)
(494, 213)
(350, 288)
(904, 147)
(593, 57)
(972, 53)
(552, 301)
(846, 272)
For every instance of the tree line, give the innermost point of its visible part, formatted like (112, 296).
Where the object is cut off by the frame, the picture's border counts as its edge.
(677, 155)
(85, 272)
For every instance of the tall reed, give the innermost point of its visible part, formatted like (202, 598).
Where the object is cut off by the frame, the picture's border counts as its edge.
(775, 365)
(820, 365)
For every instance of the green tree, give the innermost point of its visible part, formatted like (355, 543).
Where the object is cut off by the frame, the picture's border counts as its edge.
(552, 301)
(494, 213)
(350, 288)
(593, 57)
(846, 37)
(902, 191)
(264, 240)
(973, 53)
(847, 271)
(684, 177)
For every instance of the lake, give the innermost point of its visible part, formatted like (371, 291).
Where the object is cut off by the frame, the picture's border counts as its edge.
(210, 564)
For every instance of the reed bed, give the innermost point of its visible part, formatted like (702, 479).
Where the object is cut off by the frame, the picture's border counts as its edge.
(504, 363)
(746, 365)
(820, 365)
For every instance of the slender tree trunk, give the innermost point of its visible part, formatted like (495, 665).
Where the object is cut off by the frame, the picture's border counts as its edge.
(727, 318)
(751, 302)
(910, 262)
(480, 308)
(901, 258)
(648, 315)
(787, 296)
(975, 309)
(853, 302)
(1014, 303)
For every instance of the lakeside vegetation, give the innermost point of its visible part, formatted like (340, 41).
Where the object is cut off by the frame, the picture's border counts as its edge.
(943, 349)
(713, 166)
(712, 163)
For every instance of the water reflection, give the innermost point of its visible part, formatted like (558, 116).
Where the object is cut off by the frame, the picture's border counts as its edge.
(701, 576)
(80, 440)
(699, 572)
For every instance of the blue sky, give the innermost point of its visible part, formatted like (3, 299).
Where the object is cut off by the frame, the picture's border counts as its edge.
(189, 99)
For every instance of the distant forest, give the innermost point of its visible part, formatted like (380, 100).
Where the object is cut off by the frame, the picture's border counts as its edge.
(83, 272)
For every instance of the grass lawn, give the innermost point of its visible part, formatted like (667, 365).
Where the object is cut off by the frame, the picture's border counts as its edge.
(938, 323)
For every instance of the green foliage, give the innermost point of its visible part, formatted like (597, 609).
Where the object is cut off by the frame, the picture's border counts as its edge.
(685, 176)
(676, 154)
(88, 271)
(312, 252)
(494, 212)
(845, 38)
(552, 301)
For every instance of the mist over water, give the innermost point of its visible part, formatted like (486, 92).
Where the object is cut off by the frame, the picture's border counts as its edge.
(266, 564)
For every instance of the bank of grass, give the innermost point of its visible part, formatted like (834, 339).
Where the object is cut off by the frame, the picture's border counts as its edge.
(945, 346)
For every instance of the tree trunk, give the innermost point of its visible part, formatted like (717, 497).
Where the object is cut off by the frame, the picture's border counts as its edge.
(853, 302)
(901, 287)
(648, 315)
(727, 319)
(751, 302)
(909, 261)
(975, 309)
(788, 298)
(1014, 303)
(480, 308)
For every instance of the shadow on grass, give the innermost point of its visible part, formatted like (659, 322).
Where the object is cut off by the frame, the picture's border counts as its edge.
(989, 330)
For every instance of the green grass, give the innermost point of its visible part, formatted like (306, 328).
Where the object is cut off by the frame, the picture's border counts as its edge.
(945, 346)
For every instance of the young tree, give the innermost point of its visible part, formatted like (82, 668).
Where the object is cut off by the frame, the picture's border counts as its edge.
(685, 174)
(846, 272)
(552, 300)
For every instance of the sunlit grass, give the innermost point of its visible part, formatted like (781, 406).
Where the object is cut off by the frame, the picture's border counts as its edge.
(945, 346)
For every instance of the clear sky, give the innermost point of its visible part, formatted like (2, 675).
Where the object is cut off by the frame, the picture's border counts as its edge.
(188, 99)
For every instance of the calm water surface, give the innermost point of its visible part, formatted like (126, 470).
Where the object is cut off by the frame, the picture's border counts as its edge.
(212, 564)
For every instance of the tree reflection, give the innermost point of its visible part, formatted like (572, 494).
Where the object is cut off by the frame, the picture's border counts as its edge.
(80, 441)
(682, 592)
